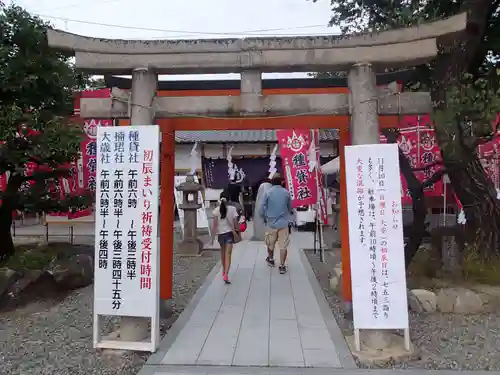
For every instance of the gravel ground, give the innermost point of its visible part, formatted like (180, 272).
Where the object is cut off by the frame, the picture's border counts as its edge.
(445, 341)
(56, 337)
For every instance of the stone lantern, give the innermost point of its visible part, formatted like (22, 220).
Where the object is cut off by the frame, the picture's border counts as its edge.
(190, 244)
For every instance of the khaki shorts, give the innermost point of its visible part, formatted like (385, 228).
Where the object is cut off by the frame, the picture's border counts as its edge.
(280, 236)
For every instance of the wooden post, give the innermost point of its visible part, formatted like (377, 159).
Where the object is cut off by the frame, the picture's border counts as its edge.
(167, 173)
(344, 223)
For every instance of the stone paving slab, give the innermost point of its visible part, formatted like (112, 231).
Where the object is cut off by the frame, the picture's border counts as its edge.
(221, 370)
(263, 319)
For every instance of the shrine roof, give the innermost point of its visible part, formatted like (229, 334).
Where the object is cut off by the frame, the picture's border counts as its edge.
(241, 136)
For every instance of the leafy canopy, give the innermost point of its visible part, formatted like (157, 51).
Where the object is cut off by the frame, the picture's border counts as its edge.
(467, 97)
(36, 101)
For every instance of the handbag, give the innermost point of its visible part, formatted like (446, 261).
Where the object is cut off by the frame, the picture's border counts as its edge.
(243, 224)
(236, 234)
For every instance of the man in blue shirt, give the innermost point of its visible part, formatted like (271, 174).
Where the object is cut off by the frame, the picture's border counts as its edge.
(276, 211)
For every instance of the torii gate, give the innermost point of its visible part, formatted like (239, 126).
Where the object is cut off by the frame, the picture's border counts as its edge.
(356, 114)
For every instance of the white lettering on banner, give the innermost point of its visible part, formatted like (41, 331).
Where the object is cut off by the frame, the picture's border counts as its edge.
(289, 178)
(127, 271)
(376, 237)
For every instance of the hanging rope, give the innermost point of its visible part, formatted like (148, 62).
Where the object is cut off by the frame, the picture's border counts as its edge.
(193, 159)
(230, 166)
(272, 162)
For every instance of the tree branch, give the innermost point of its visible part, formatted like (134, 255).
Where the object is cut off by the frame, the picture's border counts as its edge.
(430, 165)
(434, 178)
(44, 175)
(34, 160)
(488, 138)
(419, 208)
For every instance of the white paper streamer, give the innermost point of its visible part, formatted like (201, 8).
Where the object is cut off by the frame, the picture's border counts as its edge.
(272, 162)
(230, 166)
(193, 158)
(312, 154)
(462, 219)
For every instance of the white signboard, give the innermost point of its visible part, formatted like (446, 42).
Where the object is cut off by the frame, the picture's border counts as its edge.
(126, 233)
(201, 214)
(376, 237)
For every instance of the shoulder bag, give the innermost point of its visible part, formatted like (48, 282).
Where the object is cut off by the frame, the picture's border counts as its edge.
(236, 234)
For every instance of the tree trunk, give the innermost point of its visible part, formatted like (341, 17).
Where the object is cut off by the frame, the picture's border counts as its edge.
(478, 196)
(468, 179)
(8, 205)
(7, 247)
(419, 207)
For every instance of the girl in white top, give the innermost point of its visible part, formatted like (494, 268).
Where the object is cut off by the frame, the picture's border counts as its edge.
(224, 224)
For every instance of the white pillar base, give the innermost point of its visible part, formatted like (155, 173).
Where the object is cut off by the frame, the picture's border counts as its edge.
(394, 352)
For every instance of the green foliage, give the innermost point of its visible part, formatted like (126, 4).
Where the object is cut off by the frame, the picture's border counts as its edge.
(328, 75)
(96, 83)
(471, 102)
(426, 265)
(37, 85)
(356, 16)
(477, 269)
(467, 117)
(31, 258)
(464, 84)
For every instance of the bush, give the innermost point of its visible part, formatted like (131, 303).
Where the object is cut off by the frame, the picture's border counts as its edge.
(480, 271)
(31, 258)
(427, 264)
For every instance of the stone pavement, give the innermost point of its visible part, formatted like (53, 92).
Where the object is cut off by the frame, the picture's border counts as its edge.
(263, 319)
(227, 370)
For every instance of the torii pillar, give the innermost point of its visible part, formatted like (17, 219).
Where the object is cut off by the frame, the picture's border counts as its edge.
(365, 130)
(144, 85)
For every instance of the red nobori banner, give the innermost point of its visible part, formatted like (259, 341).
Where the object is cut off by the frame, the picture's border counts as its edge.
(294, 152)
(88, 161)
(86, 166)
(489, 154)
(418, 143)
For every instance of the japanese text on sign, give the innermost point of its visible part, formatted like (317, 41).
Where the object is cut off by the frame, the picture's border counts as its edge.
(376, 237)
(300, 182)
(90, 151)
(126, 280)
(146, 220)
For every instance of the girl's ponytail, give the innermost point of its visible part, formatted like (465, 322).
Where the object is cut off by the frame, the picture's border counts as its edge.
(223, 208)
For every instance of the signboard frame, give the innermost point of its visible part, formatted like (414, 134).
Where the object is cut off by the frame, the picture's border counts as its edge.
(376, 239)
(145, 254)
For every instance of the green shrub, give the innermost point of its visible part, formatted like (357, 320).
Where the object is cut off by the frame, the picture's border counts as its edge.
(478, 270)
(31, 258)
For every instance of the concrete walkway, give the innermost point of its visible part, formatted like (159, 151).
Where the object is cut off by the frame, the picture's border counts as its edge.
(263, 319)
